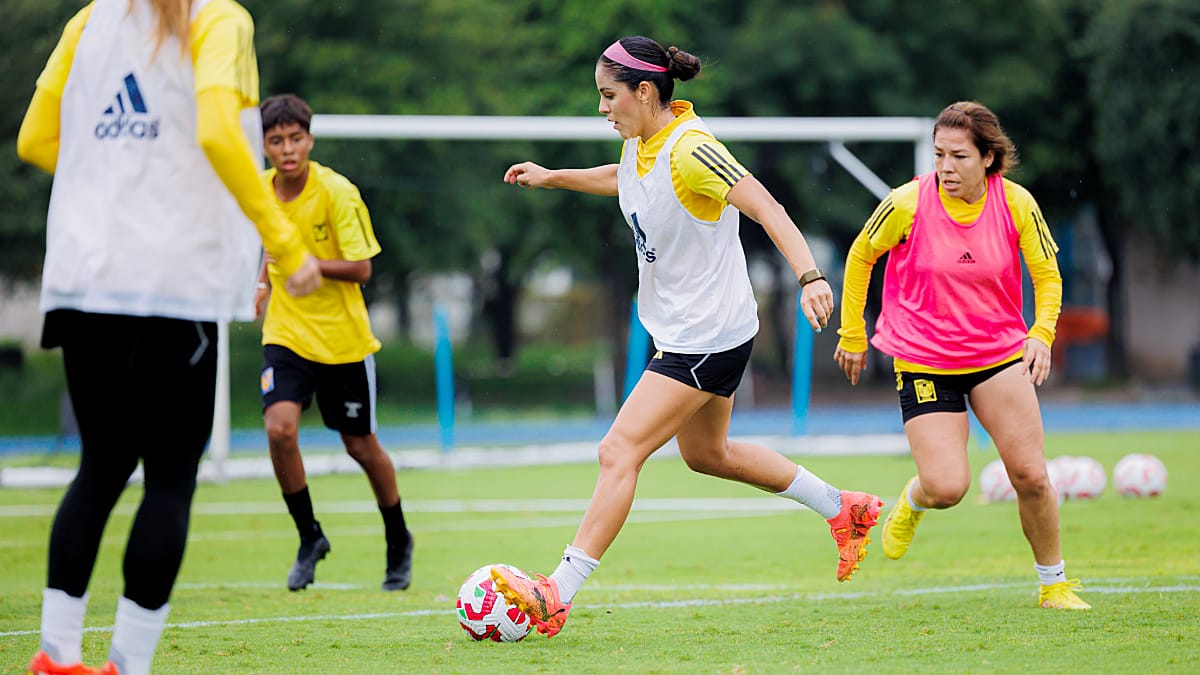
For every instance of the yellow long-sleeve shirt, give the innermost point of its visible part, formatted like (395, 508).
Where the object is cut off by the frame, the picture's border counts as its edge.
(891, 224)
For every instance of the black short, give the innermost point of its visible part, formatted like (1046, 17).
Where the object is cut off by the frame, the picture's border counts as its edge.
(345, 391)
(922, 393)
(719, 373)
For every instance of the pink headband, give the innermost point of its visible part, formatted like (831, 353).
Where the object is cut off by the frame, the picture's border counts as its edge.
(617, 53)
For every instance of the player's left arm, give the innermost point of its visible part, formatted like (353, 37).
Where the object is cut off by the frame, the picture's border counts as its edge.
(356, 236)
(1038, 249)
(708, 168)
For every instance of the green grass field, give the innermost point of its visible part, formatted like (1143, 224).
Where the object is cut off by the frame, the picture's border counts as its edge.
(707, 577)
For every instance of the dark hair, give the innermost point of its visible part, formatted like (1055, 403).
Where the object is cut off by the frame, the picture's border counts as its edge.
(680, 66)
(284, 109)
(984, 127)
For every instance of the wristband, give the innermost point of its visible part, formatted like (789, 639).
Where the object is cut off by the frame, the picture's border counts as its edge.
(810, 276)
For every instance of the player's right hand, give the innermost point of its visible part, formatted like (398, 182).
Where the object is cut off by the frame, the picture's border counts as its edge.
(851, 363)
(306, 279)
(527, 174)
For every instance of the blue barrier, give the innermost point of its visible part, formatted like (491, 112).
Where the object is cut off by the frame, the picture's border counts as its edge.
(802, 363)
(444, 364)
(637, 355)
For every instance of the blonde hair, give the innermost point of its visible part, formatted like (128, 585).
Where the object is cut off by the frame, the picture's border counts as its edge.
(174, 20)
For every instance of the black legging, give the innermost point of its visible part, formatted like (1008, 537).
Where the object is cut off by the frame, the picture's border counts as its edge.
(142, 389)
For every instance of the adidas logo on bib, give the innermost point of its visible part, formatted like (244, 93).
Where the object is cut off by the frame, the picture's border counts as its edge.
(127, 116)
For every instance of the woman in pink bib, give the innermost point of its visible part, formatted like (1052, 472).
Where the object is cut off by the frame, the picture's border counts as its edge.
(951, 320)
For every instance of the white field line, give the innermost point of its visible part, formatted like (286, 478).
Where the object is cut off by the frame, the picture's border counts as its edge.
(276, 507)
(1127, 586)
(489, 524)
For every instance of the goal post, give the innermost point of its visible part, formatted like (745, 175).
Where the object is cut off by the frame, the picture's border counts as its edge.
(835, 132)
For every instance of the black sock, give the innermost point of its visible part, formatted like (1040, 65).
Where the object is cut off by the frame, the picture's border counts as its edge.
(300, 506)
(394, 527)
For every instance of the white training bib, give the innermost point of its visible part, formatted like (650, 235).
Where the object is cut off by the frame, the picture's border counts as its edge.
(139, 223)
(694, 293)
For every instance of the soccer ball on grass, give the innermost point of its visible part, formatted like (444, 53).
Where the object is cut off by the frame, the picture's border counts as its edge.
(485, 614)
(1140, 475)
(1076, 477)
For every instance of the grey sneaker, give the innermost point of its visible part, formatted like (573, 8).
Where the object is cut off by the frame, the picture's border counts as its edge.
(306, 562)
(399, 567)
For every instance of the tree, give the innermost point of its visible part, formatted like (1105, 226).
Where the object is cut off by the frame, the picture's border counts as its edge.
(1144, 88)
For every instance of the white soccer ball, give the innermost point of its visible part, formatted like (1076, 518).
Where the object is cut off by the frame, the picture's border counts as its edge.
(1140, 475)
(1087, 478)
(485, 614)
(994, 482)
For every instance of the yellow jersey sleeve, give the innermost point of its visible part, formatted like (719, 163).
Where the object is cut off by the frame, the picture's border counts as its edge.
(1038, 249)
(888, 226)
(703, 172)
(222, 47)
(1036, 243)
(54, 76)
(351, 220)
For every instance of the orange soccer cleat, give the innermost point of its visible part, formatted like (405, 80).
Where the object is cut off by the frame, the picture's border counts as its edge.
(860, 512)
(538, 598)
(42, 664)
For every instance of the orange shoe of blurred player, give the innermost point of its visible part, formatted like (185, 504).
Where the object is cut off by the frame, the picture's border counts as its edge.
(42, 664)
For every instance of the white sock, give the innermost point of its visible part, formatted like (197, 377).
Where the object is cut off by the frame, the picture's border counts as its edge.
(814, 493)
(908, 496)
(1051, 574)
(575, 568)
(135, 636)
(62, 626)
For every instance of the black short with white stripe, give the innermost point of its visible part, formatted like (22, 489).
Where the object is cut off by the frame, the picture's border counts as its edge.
(719, 372)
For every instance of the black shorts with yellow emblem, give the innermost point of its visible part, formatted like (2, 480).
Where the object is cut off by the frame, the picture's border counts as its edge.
(922, 393)
(719, 373)
(345, 392)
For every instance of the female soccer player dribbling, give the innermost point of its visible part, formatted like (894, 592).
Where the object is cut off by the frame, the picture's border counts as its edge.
(681, 193)
(952, 321)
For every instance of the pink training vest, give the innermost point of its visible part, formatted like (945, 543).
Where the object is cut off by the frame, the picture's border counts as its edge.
(952, 292)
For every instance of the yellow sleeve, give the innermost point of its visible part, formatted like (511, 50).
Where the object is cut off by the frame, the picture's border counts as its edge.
(222, 45)
(37, 139)
(220, 136)
(705, 165)
(1047, 296)
(887, 227)
(1038, 249)
(356, 237)
(1036, 242)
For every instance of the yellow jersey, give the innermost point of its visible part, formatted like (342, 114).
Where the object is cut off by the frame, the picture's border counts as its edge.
(330, 325)
(891, 224)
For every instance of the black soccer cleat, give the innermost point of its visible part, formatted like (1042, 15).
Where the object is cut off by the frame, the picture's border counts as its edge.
(305, 567)
(399, 567)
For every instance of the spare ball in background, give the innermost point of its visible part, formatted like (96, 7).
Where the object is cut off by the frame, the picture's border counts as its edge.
(1140, 475)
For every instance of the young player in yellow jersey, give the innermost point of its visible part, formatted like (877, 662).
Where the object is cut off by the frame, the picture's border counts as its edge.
(952, 321)
(681, 192)
(145, 114)
(322, 344)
